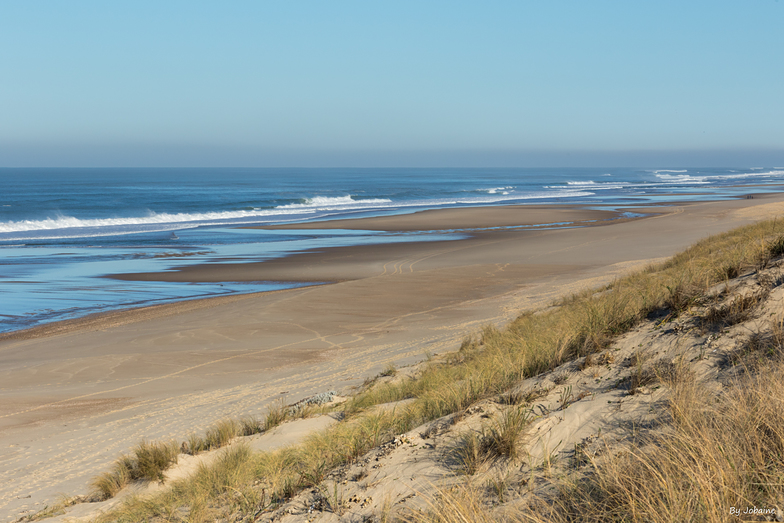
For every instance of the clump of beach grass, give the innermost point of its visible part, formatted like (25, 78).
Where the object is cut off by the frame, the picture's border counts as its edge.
(389, 370)
(736, 311)
(460, 504)
(148, 462)
(469, 453)
(221, 433)
(151, 459)
(277, 413)
(503, 436)
(476, 449)
(250, 426)
(194, 445)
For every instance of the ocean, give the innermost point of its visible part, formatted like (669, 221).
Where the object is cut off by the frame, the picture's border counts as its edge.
(62, 230)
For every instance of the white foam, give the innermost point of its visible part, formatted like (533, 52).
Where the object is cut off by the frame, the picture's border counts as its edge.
(669, 171)
(333, 202)
(308, 207)
(62, 227)
(69, 222)
(594, 186)
(497, 190)
(682, 178)
(685, 178)
(747, 175)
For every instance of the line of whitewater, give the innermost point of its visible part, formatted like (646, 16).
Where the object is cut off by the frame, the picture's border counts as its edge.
(153, 218)
(171, 221)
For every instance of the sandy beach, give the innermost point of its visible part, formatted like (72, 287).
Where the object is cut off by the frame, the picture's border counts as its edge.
(75, 395)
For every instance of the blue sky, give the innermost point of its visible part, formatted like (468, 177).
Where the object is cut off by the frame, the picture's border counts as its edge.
(504, 83)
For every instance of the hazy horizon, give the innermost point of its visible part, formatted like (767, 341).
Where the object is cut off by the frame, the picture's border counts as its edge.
(523, 84)
(183, 157)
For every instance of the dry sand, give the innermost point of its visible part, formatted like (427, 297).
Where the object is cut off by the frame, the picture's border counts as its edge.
(75, 395)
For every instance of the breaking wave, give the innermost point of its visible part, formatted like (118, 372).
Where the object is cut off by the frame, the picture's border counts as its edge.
(334, 202)
(182, 220)
(497, 190)
(69, 222)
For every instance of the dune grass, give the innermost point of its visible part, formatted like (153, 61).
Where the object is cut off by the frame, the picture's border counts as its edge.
(498, 440)
(718, 453)
(148, 461)
(486, 365)
(242, 481)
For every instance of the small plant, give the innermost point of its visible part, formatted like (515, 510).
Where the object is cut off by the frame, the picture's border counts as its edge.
(389, 370)
(549, 458)
(108, 484)
(565, 398)
(505, 433)
(334, 499)
(532, 394)
(737, 311)
(580, 456)
(640, 377)
(149, 461)
(250, 426)
(770, 249)
(635, 360)
(221, 433)
(729, 271)
(359, 476)
(512, 398)
(287, 489)
(500, 485)
(194, 445)
(152, 459)
(277, 413)
(314, 474)
(605, 358)
(470, 453)
(301, 411)
(777, 335)
(681, 295)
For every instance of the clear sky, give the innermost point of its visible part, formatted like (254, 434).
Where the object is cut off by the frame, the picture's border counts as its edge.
(403, 83)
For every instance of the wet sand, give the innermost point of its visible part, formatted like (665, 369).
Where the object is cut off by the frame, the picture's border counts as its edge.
(73, 396)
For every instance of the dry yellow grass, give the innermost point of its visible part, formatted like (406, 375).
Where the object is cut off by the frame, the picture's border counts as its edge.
(148, 461)
(719, 455)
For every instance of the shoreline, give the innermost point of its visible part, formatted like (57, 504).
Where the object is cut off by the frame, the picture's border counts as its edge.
(334, 264)
(470, 220)
(75, 398)
(224, 272)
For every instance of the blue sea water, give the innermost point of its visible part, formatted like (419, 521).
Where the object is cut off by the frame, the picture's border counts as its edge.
(61, 230)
